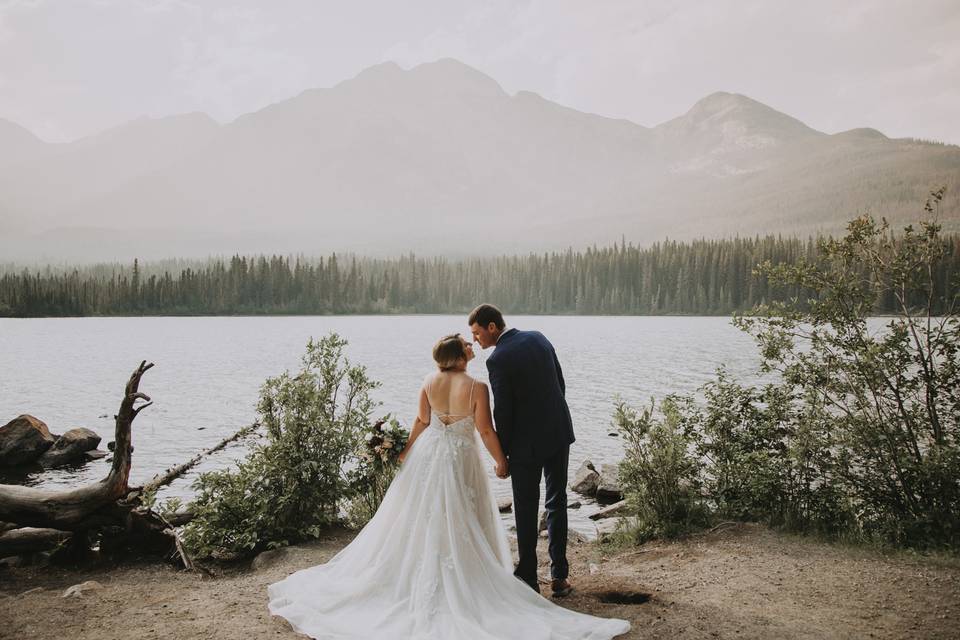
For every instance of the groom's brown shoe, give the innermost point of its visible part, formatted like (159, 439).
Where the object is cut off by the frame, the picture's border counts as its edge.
(561, 588)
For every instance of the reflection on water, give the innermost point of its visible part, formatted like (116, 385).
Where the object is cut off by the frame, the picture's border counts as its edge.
(70, 372)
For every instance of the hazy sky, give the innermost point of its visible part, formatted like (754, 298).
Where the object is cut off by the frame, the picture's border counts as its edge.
(69, 68)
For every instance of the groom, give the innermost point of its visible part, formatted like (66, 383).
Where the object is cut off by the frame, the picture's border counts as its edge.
(535, 430)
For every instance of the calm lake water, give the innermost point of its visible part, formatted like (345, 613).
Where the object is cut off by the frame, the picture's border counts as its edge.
(70, 372)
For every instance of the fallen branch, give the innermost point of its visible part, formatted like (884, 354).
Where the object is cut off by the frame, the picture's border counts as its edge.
(173, 473)
(181, 550)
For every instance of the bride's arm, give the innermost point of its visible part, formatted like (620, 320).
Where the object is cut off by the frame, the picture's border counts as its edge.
(481, 416)
(419, 424)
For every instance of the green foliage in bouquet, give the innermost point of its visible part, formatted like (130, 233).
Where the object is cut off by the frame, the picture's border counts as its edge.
(294, 482)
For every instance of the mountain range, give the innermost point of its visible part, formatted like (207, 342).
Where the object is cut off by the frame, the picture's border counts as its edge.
(439, 159)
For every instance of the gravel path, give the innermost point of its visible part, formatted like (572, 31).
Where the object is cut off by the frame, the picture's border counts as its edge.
(742, 582)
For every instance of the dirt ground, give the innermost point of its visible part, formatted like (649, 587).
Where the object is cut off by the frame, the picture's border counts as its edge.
(740, 582)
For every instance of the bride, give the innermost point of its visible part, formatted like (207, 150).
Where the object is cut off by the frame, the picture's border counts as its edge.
(433, 562)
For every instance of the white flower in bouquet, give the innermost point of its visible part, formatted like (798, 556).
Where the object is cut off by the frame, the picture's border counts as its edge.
(368, 437)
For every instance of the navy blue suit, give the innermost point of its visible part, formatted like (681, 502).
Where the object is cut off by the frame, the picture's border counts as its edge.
(535, 431)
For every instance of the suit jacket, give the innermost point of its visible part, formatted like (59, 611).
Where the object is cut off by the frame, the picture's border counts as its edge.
(529, 404)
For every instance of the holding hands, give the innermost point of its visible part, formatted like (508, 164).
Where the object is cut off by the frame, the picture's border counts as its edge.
(502, 469)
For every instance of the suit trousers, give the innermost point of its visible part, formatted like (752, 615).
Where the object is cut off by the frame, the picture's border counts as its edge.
(525, 477)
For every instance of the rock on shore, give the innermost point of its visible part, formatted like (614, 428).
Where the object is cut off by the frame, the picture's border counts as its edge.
(586, 480)
(70, 447)
(609, 487)
(23, 440)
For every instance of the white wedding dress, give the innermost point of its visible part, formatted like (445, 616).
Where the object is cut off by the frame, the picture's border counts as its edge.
(432, 563)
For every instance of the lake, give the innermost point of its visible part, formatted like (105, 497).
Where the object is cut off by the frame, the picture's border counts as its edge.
(70, 372)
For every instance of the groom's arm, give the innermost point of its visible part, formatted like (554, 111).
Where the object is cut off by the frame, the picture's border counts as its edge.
(556, 362)
(502, 403)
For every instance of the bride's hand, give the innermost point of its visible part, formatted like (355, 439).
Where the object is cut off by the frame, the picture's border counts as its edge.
(502, 469)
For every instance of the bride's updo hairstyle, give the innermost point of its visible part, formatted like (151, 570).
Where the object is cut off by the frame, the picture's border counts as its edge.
(448, 351)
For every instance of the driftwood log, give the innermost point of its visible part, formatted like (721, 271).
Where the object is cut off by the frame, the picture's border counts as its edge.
(109, 510)
(30, 539)
(77, 509)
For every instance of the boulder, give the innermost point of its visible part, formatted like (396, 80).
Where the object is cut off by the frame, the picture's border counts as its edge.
(575, 537)
(543, 521)
(586, 480)
(23, 440)
(505, 505)
(609, 487)
(615, 509)
(95, 454)
(269, 558)
(608, 527)
(70, 447)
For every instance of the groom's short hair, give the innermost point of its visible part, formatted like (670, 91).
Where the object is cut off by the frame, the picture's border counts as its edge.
(484, 315)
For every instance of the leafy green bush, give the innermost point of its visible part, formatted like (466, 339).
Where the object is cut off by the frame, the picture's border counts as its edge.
(292, 485)
(659, 475)
(893, 395)
(742, 443)
(767, 456)
(859, 436)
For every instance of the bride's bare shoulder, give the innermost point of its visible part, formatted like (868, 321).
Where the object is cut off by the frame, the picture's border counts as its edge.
(477, 382)
(428, 380)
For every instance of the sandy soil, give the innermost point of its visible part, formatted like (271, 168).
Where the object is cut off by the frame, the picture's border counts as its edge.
(740, 582)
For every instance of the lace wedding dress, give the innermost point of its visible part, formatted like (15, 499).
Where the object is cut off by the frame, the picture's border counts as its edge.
(432, 563)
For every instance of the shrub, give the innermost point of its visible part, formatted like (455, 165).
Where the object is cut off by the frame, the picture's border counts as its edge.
(858, 437)
(292, 485)
(893, 396)
(660, 477)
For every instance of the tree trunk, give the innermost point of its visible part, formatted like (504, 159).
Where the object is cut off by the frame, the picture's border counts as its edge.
(108, 509)
(77, 509)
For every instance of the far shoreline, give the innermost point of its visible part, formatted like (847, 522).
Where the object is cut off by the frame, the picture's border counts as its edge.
(399, 315)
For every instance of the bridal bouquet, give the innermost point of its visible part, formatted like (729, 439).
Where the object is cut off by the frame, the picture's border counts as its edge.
(384, 441)
(376, 463)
